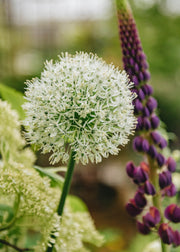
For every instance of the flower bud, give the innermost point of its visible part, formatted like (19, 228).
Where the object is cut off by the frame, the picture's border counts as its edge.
(162, 143)
(146, 112)
(147, 89)
(160, 159)
(166, 233)
(132, 209)
(155, 121)
(152, 218)
(137, 143)
(171, 164)
(176, 238)
(140, 200)
(165, 179)
(138, 105)
(143, 229)
(146, 123)
(130, 169)
(140, 176)
(135, 80)
(151, 104)
(149, 188)
(152, 151)
(141, 94)
(172, 213)
(170, 190)
(139, 125)
(145, 145)
(156, 137)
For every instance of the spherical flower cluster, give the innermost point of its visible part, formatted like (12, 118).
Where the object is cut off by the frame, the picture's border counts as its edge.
(82, 103)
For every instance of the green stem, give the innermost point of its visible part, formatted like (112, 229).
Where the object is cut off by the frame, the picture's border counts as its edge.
(65, 191)
(164, 247)
(13, 220)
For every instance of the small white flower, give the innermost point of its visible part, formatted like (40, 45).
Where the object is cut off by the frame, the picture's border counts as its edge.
(82, 103)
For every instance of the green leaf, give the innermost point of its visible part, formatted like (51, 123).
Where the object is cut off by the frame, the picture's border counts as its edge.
(76, 204)
(56, 180)
(5, 208)
(13, 97)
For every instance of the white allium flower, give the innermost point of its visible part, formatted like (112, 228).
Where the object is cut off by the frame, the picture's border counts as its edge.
(79, 103)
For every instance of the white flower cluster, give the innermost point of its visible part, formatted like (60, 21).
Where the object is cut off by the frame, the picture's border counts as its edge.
(82, 103)
(36, 201)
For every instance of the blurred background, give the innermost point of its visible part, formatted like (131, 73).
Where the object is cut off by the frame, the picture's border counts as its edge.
(32, 31)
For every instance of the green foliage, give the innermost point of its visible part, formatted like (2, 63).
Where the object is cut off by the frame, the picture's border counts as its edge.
(76, 204)
(14, 98)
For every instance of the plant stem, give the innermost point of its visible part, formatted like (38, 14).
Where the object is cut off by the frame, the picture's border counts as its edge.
(65, 190)
(164, 247)
(14, 247)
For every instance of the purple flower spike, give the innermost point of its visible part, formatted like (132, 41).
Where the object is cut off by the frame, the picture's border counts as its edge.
(146, 123)
(145, 145)
(152, 151)
(160, 159)
(176, 238)
(171, 164)
(143, 229)
(140, 200)
(152, 218)
(140, 176)
(149, 188)
(156, 137)
(137, 143)
(165, 179)
(163, 143)
(172, 213)
(155, 121)
(170, 191)
(166, 233)
(132, 209)
(151, 104)
(130, 169)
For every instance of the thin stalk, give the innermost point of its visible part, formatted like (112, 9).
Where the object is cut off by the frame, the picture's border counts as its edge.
(65, 190)
(164, 247)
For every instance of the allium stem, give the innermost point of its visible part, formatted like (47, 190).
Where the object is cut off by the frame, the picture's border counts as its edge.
(65, 190)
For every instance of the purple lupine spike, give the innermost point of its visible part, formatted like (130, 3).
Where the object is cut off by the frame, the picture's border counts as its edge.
(172, 213)
(171, 164)
(143, 229)
(166, 233)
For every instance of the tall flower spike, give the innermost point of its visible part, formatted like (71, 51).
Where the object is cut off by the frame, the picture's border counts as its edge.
(148, 141)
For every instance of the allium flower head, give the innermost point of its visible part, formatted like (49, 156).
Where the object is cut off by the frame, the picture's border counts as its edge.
(82, 103)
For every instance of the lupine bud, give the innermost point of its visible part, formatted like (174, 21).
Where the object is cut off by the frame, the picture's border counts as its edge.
(155, 121)
(132, 209)
(152, 151)
(146, 112)
(160, 159)
(137, 143)
(171, 164)
(172, 213)
(141, 94)
(156, 137)
(147, 89)
(140, 176)
(146, 123)
(140, 200)
(139, 125)
(145, 145)
(130, 169)
(138, 105)
(152, 218)
(170, 191)
(151, 104)
(135, 80)
(166, 233)
(162, 143)
(149, 188)
(147, 75)
(165, 179)
(143, 229)
(176, 238)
